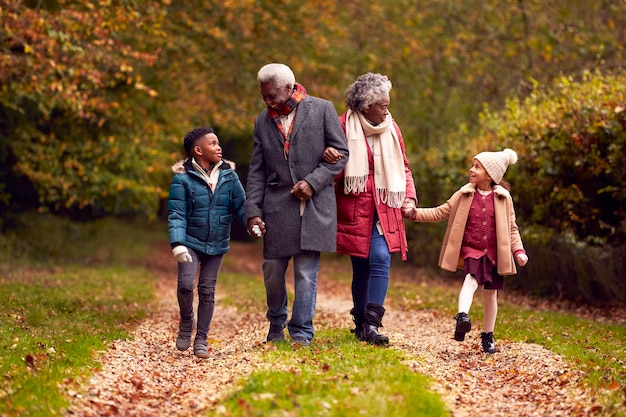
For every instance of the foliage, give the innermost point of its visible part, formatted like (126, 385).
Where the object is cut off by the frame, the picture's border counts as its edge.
(568, 184)
(571, 142)
(85, 85)
(444, 58)
(70, 86)
(565, 267)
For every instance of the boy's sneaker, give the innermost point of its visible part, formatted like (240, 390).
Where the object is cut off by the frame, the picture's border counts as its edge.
(183, 341)
(200, 349)
(463, 325)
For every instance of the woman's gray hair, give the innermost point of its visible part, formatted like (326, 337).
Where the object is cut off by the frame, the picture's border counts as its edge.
(367, 90)
(278, 74)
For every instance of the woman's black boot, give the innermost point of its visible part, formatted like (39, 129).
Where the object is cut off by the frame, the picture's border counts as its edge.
(359, 321)
(373, 320)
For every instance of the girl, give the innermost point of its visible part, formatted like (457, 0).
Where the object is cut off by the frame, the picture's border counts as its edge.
(481, 236)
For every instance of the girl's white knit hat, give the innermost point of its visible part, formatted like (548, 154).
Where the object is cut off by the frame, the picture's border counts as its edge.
(496, 163)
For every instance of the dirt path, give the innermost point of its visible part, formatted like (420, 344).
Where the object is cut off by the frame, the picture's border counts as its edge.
(146, 376)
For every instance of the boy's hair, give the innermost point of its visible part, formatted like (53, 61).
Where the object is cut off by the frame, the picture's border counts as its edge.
(192, 137)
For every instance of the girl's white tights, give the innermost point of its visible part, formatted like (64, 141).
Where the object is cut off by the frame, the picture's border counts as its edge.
(490, 303)
(470, 285)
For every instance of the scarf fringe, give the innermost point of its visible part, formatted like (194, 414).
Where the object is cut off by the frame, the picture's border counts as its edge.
(355, 184)
(394, 199)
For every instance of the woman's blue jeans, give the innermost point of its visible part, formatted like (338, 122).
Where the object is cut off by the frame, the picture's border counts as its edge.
(370, 276)
(207, 279)
(306, 266)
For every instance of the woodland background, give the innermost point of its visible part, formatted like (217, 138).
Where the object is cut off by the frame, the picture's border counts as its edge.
(95, 97)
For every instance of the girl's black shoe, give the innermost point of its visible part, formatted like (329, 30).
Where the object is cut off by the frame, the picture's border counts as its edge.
(463, 325)
(489, 345)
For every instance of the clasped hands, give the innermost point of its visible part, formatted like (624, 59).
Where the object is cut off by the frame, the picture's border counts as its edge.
(256, 227)
(409, 208)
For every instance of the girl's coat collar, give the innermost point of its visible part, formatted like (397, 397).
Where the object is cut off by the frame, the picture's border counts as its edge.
(498, 190)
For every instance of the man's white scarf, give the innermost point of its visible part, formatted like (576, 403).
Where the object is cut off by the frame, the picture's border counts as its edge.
(389, 174)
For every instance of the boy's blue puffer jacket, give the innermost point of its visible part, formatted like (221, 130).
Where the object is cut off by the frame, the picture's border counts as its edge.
(198, 217)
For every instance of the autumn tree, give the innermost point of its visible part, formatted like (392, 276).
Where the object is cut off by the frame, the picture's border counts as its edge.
(69, 80)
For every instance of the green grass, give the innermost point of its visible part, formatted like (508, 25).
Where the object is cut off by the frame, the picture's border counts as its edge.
(68, 289)
(336, 376)
(63, 301)
(598, 349)
(244, 292)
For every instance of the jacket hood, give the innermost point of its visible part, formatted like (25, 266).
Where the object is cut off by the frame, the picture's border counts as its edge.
(184, 165)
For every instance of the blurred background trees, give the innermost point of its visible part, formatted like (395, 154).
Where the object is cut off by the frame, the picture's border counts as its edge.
(95, 97)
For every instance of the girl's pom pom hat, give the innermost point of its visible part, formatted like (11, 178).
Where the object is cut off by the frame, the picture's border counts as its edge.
(496, 163)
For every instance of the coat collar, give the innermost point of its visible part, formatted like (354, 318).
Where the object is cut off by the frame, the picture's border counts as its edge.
(498, 190)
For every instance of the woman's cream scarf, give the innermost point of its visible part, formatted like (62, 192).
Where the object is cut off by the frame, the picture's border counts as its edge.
(389, 174)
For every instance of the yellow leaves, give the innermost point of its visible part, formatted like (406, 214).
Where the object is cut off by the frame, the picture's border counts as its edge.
(546, 53)
(141, 86)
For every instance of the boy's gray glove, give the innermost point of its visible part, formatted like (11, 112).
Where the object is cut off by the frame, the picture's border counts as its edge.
(181, 253)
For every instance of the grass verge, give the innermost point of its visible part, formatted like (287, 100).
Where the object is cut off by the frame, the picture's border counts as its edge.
(63, 301)
(336, 376)
(596, 348)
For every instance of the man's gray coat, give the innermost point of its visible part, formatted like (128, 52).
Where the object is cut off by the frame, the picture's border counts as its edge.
(271, 177)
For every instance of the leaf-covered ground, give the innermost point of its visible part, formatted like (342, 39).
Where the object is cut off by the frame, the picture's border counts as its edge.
(147, 376)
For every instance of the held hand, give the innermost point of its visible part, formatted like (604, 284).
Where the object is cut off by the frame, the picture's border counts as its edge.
(181, 253)
(332, 155)
(408, 209)
(409, 213)
(256, 227)
(522, 259)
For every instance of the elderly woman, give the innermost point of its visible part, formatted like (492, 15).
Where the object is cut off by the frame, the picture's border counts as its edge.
(374, 187)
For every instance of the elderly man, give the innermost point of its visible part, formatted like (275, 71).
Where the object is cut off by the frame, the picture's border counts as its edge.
(290, 195)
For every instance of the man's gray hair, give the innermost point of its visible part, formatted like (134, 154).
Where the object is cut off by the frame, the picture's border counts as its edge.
(367, 90)
(278, 74)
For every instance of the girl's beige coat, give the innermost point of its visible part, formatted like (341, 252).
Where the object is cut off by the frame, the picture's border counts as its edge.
(456, 210)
